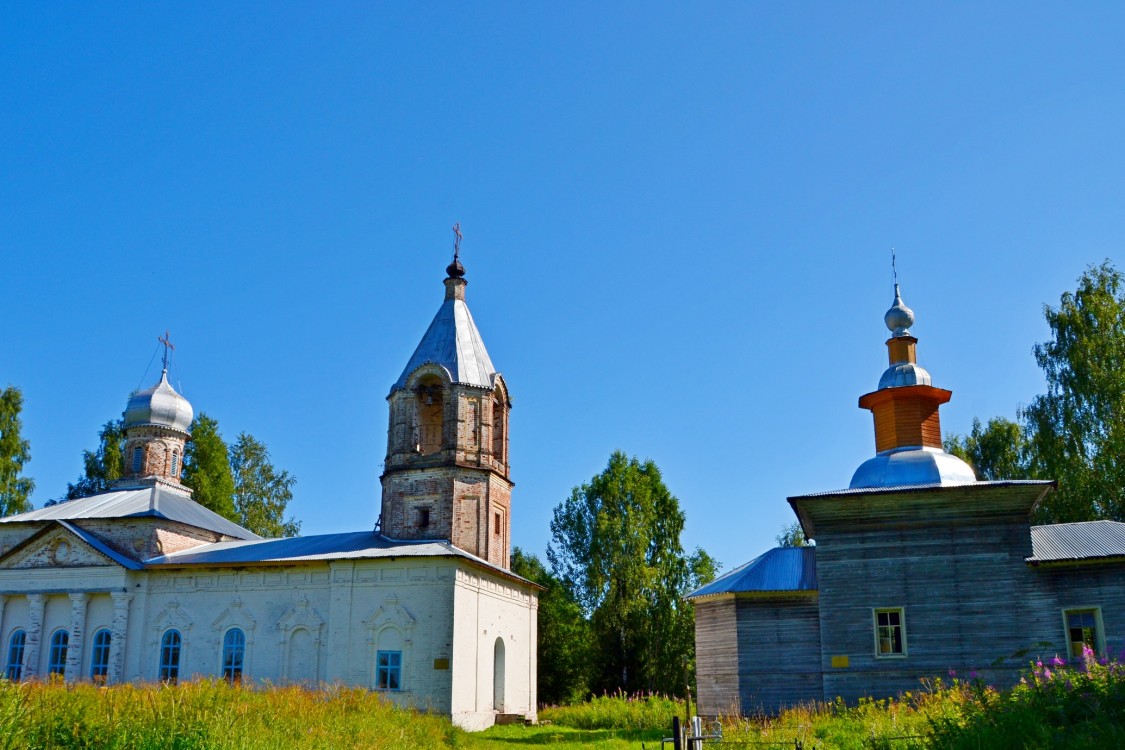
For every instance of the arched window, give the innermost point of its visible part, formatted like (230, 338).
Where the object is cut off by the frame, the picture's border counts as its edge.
(138, 458)
(234, 653)
(175, 464)
(14, 670)
(499, 426)
(170, 656)
(99, 657)
(498, 674)
(56, 661)
(429, 405)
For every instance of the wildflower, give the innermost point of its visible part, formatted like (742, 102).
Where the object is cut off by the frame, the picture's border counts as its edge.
(953, 673)
(1039, 664)
(1057, 662)
(1047, 673)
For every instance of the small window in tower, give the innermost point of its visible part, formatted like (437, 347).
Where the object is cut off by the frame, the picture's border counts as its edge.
(175, 464)
(496, 523)
(423, 517)
(138, 458)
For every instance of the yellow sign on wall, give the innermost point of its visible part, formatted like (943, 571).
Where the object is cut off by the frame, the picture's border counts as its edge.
(840, 662)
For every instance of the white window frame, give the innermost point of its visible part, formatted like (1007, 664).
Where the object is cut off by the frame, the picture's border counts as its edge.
(1099, 634)
(99, 656)
(13, 670)
(875, 612)
(241, 653)
(58, 665)
(166, 671)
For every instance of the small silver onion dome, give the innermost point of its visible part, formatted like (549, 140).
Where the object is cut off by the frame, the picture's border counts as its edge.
(159, 405)
(904, 373)
(900, 317)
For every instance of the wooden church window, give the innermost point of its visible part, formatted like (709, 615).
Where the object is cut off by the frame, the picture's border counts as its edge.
(890, 632)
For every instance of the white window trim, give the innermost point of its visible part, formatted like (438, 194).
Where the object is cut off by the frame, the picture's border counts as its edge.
(1099, 647)
(875, 631)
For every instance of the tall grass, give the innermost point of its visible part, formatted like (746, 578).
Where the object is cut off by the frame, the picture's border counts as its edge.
(617, 711)
(208, 714)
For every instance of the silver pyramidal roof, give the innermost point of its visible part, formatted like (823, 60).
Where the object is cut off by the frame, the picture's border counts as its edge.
(153, 502)
(453, 341)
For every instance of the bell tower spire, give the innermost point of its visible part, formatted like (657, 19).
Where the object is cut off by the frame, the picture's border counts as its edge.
(446, 474)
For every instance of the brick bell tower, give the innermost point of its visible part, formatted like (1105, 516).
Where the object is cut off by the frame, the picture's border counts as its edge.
(446, 474)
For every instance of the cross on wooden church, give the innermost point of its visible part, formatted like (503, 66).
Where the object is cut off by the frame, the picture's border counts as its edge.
(167, 345)
(456, 240)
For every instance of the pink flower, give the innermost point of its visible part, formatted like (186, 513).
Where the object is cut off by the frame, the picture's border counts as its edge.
(1057, 662)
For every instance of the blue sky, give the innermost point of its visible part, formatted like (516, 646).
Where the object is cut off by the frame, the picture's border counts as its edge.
(677, 219)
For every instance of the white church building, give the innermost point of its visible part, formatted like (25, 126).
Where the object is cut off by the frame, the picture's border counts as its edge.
(143, 584)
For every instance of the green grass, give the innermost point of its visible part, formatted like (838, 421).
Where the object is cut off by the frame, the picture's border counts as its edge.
(1056, 706)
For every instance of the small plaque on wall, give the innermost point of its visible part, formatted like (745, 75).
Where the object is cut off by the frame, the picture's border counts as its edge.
(840, 662)
(441, 663)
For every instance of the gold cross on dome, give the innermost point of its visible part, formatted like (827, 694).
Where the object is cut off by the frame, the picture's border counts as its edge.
(167, 345)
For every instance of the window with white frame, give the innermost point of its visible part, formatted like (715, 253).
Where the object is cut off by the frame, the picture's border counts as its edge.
(138, 458)
(14, 670)
(890, 632)
(175, 464)
(388, 670)
(99, 657)
(170, 647)
(56, 657)
(1083, 629)
(234, 655)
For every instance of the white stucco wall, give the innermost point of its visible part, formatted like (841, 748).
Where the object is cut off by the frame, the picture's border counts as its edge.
(443, 614)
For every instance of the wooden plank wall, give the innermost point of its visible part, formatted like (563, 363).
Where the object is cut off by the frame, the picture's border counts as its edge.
(779, 654)
(716, 657)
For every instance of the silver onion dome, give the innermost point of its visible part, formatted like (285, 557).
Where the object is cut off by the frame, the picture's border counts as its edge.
(912, 466)
(159, 405)
(900, 317)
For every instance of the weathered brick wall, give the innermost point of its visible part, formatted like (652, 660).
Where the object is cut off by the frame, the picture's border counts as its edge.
(145, 538)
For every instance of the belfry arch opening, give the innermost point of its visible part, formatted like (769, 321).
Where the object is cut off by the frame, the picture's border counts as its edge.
(429, 399)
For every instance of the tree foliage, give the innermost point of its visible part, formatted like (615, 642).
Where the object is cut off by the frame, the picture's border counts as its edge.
(792, 535)
(15, 453)
(207, 468)
(1075, 432)
(615, 545)
(261, 491)
(996, 451)
(104, 466)
(564, 645)
(1077, 428)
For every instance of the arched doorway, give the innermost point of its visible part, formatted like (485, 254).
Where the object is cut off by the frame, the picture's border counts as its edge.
(498, 676)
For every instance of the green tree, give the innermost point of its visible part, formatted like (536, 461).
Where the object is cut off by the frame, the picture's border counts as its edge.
(15, 452)
(792, 535)
(564, 648)
(1076, 430)
(261, 492)
(616, 546)
(996, 451)
(207, 468)
(103, 466)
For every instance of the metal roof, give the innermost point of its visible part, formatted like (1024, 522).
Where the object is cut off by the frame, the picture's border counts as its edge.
(159, 405)
(780, 569)
(1077, 541)
(912, 466)
(353, 545)
(925, 487)
(453, 341)
(152, 502)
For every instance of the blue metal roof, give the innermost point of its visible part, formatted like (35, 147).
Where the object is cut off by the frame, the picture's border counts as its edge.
(1077, 541)
(780, 569)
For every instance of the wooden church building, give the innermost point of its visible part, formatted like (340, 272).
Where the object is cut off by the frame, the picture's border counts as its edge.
(142, 583)
(917, 569)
